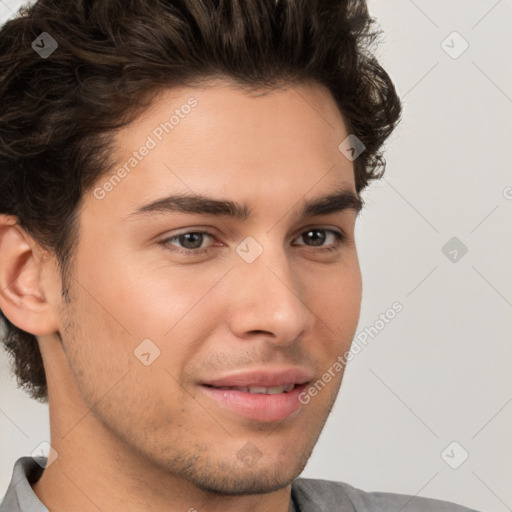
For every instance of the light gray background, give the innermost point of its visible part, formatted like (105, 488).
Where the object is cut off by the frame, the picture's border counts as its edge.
(440, 371)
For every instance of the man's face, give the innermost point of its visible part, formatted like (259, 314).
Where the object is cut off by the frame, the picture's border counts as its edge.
(260, 294)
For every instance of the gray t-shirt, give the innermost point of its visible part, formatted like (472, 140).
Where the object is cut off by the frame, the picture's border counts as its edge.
(308, 495)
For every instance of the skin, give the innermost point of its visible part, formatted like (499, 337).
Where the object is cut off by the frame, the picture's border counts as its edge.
(136, 437)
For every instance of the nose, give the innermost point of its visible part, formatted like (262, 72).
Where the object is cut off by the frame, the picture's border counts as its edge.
(267, 297)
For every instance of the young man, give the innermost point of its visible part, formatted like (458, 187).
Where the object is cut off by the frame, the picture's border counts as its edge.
(180, 186)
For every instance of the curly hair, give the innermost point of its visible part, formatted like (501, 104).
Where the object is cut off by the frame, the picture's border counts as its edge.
(58, 114)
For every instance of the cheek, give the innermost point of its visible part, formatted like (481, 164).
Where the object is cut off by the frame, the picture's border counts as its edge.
(334, 295)
(112, 378)
(147, 296)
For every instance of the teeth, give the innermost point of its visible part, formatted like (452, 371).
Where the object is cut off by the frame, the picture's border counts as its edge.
(274, 390)
(256, 390)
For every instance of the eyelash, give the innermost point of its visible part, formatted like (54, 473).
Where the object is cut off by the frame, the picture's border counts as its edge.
(340, 237)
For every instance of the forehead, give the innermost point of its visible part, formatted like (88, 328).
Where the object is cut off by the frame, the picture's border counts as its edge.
(219, 140)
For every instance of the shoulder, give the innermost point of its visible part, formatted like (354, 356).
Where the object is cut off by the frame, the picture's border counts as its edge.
(312, 493)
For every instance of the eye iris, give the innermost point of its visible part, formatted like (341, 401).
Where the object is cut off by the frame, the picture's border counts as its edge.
(194, 237)
(316, 240)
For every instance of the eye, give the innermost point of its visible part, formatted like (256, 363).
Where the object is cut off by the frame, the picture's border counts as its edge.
(191, 242)
(317, 236)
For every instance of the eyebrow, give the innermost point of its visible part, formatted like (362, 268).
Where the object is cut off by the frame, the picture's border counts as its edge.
(340, 200)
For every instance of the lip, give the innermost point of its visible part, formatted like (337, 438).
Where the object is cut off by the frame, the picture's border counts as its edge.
(255, 406)
(262, 378)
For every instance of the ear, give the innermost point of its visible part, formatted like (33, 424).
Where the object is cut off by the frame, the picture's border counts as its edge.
(29, 283)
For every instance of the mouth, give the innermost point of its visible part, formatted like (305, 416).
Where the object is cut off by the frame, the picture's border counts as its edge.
(265, 404)
(259, 390)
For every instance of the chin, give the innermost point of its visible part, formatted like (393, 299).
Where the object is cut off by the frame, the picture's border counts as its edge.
(239, 479)
(240, 483)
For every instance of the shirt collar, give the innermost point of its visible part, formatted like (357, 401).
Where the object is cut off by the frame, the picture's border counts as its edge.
(19, 496)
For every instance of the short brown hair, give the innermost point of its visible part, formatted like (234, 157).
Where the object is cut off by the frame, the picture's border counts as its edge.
(58, 114)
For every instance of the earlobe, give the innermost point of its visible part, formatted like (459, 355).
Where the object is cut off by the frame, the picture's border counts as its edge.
(23, 291)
